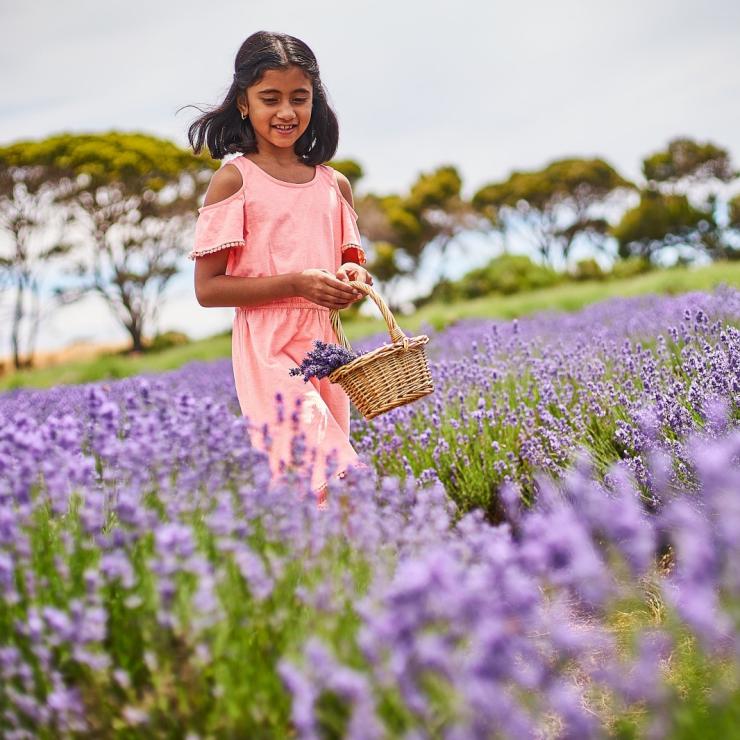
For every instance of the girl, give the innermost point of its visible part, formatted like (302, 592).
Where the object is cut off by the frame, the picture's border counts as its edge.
(277, 239)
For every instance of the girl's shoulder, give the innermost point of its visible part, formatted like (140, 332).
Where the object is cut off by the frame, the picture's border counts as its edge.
(335, 175)
(331, 171)
(225, 182)
(342, 183)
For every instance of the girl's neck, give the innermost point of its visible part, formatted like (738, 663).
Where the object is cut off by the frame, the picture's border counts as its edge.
(282, 162)
(275, 156)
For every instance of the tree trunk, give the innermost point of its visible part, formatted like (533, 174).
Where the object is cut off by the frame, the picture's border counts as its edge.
(15, 332)
(14, 340)
(137, 339)
(34, 320)
(134, 328)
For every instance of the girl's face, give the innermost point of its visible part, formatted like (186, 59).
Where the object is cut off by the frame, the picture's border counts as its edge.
(279, 107)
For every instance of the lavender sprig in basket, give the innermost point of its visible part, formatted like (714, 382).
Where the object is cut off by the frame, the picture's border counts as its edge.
(323, 359)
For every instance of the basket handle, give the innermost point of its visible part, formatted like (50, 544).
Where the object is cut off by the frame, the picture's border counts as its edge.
(393, 329)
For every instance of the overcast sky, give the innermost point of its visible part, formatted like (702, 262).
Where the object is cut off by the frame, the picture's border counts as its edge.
(485, 85)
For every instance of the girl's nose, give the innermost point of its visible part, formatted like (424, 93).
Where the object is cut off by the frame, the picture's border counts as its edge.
(286, 112)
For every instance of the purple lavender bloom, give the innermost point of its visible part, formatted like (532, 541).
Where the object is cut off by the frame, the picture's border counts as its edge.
(322, 360)
(303, 699)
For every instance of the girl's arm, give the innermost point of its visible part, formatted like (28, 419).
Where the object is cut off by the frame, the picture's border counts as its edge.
(213, 287)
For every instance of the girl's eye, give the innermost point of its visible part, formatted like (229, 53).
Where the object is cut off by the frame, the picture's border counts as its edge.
(272, 101)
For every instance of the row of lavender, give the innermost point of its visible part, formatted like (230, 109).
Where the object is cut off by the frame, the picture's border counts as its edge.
(620, 378)
(154, 582)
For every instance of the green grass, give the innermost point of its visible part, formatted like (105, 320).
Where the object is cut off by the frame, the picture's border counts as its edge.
(119, 365)
(566, 297)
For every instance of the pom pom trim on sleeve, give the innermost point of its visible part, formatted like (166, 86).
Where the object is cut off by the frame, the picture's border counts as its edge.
(200, 252)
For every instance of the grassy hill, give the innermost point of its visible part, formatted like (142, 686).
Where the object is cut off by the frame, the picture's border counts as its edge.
(565, 297)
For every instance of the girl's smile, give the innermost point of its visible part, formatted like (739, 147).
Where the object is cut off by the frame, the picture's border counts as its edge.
(286, 129)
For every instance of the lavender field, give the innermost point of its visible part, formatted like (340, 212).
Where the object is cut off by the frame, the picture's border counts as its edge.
(546, 547)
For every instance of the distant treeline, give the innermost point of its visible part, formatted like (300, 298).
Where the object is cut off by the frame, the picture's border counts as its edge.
(115, 212)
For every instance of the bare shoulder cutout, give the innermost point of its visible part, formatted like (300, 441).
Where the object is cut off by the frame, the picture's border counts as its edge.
(225, 182)
(345, 188)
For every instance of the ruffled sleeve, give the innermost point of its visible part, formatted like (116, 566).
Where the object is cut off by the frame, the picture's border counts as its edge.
(351, 243)
(219, 226)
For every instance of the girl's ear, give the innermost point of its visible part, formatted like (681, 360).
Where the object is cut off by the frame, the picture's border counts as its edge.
(241, 102)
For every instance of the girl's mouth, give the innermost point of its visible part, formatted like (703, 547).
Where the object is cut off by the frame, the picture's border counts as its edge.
(286, 129)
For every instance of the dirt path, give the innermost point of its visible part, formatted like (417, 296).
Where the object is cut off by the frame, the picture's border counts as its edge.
(78, 351)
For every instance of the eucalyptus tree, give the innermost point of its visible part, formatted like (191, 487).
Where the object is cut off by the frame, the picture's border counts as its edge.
(660, 220)
(680, 204)
(33, 220)
(734, 227)
(401, 228)
(555, 205)
(135, 204)
(685, 159)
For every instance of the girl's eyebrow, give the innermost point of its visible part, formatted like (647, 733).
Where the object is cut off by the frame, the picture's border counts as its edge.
(273, 90)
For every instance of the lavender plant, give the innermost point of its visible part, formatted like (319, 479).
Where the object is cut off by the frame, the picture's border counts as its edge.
(154, 582)
(322, 360)
(618, 378)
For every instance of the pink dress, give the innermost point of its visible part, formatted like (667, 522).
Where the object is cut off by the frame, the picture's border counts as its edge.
(273, 227)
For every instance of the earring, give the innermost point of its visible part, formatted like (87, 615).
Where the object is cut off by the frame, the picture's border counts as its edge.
(244, 115)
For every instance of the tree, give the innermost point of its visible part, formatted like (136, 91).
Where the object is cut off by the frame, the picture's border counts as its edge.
(136, 199)
(679, 205)
(33, 217)
(685, 159)
(400, 228)
(556, 204)
(733, 226)
(660, 220)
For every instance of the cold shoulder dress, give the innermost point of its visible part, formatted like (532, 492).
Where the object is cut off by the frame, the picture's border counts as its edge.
(271, 227)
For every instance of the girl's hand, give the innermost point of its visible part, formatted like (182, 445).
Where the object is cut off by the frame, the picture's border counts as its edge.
(353, 271)
(321, 287)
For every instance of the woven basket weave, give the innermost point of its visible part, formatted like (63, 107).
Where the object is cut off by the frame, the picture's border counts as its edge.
(390, 376)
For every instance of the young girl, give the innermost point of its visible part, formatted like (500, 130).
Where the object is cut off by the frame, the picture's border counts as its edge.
(277, 239)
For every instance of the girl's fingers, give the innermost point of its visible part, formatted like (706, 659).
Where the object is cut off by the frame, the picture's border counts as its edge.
(342, 290)
(334, 281)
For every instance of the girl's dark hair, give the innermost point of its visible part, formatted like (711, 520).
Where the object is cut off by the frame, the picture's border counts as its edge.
(222, 128)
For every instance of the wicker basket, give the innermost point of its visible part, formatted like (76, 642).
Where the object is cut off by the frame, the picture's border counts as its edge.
(390, 376)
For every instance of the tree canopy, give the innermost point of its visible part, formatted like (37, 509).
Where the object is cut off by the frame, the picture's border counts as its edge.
(556, 202)
(680, 204)
(685, 158)
(657, 220)
(400, 227)
(351, 169)
(135, 161)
